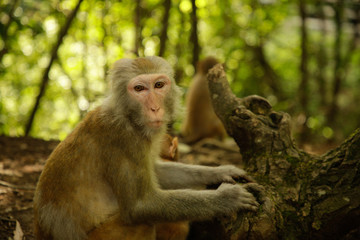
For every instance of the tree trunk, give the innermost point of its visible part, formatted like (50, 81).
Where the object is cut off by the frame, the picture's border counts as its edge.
(163, 36)
(338, 18)
(179, 71)
(138, 28)
(303, 90)
(194, 34)
(321, 56)
(304, 196)
(54, 55)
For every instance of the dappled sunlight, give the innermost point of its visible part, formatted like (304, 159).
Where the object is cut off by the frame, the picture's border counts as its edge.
(259, 44)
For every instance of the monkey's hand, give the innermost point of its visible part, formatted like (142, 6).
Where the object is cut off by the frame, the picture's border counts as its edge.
(228, 174)
(235, 197)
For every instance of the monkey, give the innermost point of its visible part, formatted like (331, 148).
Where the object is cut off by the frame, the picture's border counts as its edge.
(105, 179)
(201, 121)
(169, 150)
(172, 230)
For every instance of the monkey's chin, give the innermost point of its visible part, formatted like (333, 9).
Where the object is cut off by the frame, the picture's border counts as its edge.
(156, 124)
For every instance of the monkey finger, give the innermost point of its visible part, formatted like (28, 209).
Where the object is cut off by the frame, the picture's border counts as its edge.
(257, 191)
(241, 176)
(244, 191)
(236, 174)
(228, 179)
(244, 178)
(249, 207)
(250, 202)
(254, 187)
(249, 198)
(247, 195)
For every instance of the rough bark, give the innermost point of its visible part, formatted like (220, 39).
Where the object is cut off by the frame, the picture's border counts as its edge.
(305, 196)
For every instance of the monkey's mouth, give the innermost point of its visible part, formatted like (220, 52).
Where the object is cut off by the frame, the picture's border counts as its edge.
(156, 124)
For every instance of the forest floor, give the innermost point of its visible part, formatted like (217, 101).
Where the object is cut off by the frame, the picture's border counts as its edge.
(22, 160)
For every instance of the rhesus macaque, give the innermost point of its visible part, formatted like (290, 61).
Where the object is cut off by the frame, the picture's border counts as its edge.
(171, 230)
(104, 181)
(201, 121)
(169, 149)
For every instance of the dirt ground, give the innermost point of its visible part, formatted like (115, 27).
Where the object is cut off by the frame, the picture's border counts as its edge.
(22, 160)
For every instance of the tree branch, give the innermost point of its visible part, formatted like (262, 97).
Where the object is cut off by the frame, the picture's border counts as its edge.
(54, 55)
(304, 196)
(245, 118)
(165, 21)
(138, 28)
(194, 34)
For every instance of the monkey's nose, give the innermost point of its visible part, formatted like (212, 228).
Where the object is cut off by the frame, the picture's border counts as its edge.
(155, 109)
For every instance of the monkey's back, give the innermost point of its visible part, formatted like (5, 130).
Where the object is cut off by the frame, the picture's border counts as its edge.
(72, 195)
(201, 120)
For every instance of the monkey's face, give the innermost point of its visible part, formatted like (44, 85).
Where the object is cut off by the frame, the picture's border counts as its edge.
(150, 91)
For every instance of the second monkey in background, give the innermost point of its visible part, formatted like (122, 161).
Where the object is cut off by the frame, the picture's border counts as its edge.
(201, 121)
(171, 230)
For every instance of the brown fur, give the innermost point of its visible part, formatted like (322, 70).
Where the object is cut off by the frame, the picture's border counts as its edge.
(117, 230)
(201, 120)
(169, 149)
(176, 230)
(103, 181)
(172, 231)
(79, 165)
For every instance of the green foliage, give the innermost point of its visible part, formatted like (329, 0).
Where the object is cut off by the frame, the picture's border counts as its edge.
(105, 30)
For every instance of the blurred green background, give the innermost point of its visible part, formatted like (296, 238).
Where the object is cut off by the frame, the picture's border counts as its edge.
(303, 56)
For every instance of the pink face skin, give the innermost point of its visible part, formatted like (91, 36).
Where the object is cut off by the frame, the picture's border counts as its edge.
(150, 91)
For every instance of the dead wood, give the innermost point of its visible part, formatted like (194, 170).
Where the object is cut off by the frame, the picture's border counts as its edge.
(305, 196)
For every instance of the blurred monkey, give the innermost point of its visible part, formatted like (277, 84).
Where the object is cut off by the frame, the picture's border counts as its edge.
(169, 150)
(171, 230)
(105, 180)
(201, 120)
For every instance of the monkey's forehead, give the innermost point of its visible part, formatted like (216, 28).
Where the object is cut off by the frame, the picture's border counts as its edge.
(151, 76)
(143, 65)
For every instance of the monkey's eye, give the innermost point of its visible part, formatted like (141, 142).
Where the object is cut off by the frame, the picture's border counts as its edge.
(159, 84)
(139, 88)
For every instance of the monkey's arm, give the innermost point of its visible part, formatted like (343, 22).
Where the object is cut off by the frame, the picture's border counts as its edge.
(179, 205)
(140, 200)
(172, 175)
